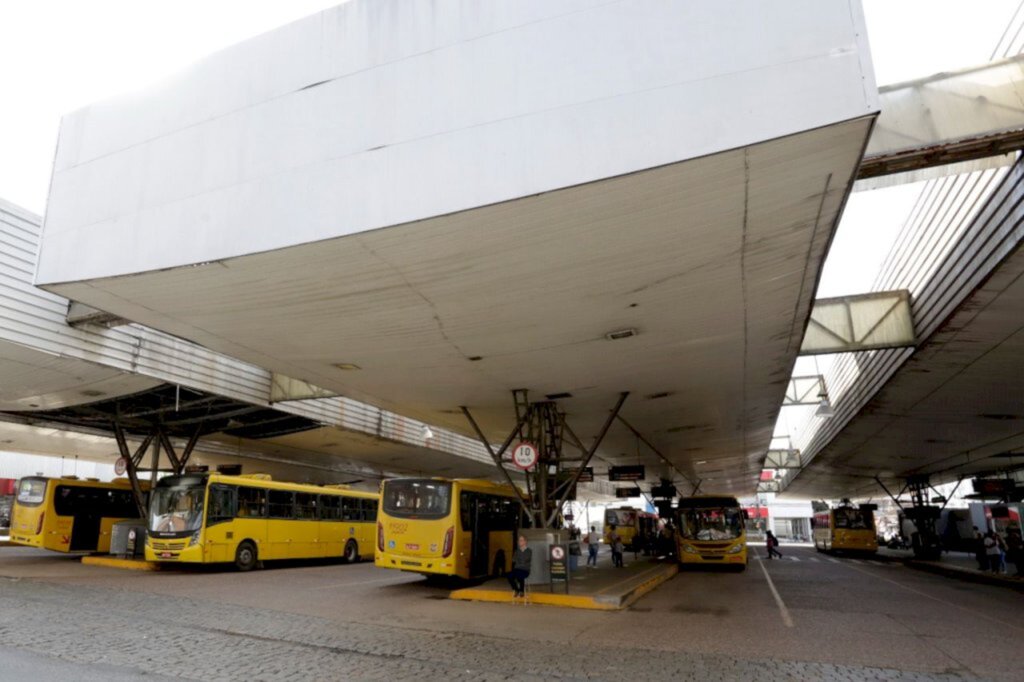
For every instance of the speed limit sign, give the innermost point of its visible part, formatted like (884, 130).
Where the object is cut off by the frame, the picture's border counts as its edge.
(525, 455)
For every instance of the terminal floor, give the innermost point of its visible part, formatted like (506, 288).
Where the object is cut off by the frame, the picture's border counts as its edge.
(807, 616)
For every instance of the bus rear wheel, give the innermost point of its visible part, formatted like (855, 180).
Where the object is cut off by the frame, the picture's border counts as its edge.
(351, 552)
(245, 556)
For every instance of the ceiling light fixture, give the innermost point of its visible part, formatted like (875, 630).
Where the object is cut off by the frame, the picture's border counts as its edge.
(427, 433)
(620, 334)
(347, 366)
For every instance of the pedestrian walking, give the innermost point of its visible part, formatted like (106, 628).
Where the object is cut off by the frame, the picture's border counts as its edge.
(522, 559)
(772, 544)
(593, 543)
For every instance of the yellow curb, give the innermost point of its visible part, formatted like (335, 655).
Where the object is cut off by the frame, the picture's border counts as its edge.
(114, 562)
(501, 596)
(572, 601)
(649, 585)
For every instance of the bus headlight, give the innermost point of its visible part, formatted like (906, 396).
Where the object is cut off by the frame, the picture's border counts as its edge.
(194, 538)
(690, 549)
(735, 549)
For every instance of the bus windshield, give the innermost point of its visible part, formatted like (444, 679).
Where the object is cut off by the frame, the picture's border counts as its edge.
(851, 518)
(31, 491)
(417, 499)
(711, 524)
(176, 509)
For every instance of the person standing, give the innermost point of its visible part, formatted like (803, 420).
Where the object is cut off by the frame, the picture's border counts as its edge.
(979, 550)
(992, 551)
(615, 540)
(1015, 550)
(593, 544)
(772, 544)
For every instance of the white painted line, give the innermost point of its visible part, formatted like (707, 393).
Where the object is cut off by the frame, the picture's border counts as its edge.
(778, 600)
(793, 558)
(813, 559)
(835, 561)
(856, 561)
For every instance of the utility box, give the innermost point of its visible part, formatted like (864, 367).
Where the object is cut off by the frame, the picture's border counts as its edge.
(128, 539)
(539, 540)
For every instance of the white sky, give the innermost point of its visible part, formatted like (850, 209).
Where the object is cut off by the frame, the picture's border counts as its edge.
(59, 55)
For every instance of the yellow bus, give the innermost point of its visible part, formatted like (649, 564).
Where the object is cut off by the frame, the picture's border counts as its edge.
(846, 528)
(70, 514)
(461, 527)
(214, 518)
(710, 530)
(633, 525)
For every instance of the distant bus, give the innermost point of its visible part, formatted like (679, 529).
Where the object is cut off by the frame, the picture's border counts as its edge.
(710, 530)
(632, 525)
(462, 527)
(214, 518)
(70, 514)
(846, 528)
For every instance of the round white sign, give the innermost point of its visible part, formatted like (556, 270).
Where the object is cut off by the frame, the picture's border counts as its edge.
(525, 455)
(557, 553)
(120, 466)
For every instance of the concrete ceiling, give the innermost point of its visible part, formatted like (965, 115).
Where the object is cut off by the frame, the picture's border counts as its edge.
(955, 408)
(31, 380)
(713, 261)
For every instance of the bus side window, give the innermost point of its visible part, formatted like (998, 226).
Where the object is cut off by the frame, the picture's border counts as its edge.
(222, 504)
(350, 509)
(305, 506)
(330, 507)
(369, 510)
(282, 504)
(251, 503)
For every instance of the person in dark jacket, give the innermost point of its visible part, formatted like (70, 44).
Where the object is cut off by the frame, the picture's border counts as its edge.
(772, 545)
(522, 558)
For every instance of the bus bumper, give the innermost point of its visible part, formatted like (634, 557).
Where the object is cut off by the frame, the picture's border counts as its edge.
(416, 564)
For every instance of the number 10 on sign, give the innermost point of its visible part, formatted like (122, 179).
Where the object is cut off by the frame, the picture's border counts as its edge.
(525, 455)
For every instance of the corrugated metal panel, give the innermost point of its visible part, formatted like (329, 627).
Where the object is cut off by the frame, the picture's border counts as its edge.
(960, 230)
(35, 319)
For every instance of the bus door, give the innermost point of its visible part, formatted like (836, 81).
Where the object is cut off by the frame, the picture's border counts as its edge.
(85, 506)
(480, 528)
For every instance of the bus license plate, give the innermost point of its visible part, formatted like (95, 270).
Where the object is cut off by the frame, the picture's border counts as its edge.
(165, 555)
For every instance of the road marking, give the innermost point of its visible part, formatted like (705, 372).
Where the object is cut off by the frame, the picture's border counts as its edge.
(812, 559)
(778, 600)
(835, 561)
(856, 561)
(793, 558)
(933, 598)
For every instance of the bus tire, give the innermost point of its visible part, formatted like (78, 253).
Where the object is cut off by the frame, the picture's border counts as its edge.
(246, 558)
(351, 552)
(499, 564)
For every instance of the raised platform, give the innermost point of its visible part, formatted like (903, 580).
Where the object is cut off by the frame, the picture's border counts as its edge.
(604, 588)
(117, 562)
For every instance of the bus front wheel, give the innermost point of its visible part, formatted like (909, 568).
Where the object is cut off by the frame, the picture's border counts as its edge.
(351, 552)
(245, 556)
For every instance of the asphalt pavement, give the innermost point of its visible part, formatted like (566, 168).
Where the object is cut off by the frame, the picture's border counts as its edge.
(807, 616)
